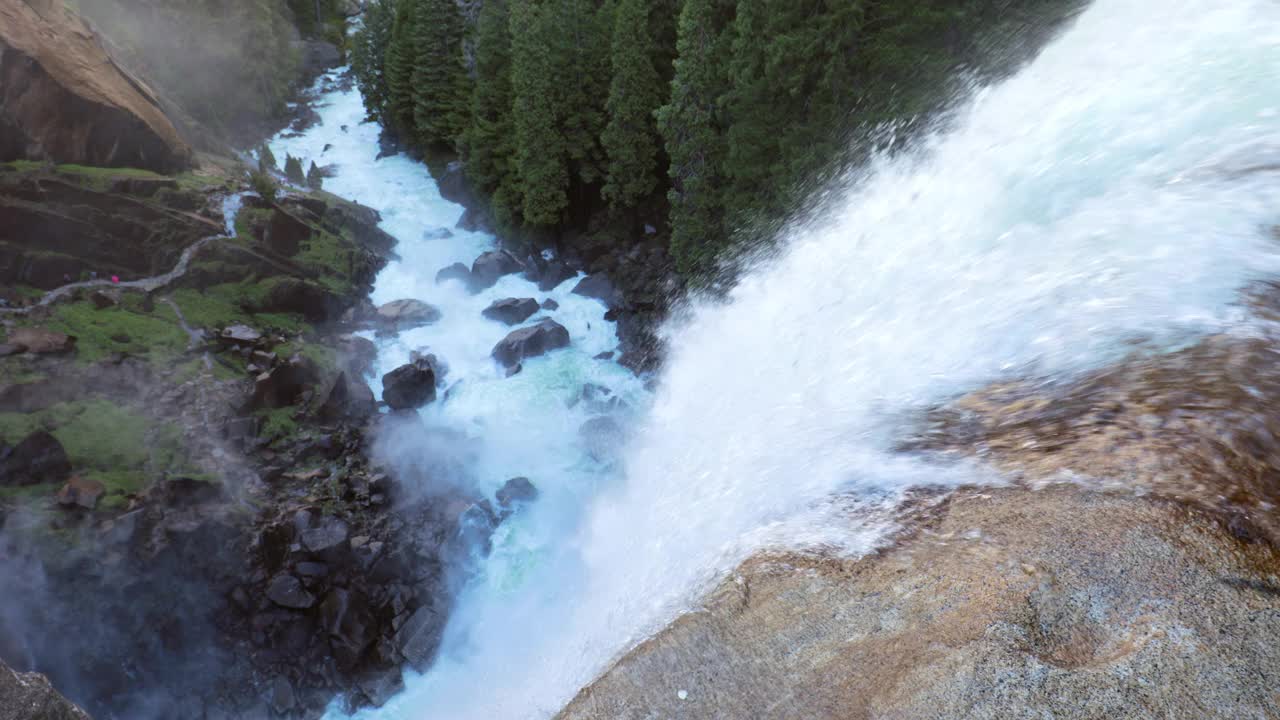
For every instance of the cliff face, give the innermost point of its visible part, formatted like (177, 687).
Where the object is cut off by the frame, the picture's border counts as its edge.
(1009, 603)
(63, 98)
(29, 696)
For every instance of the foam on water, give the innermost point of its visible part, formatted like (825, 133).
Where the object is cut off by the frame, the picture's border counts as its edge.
(1119, 189)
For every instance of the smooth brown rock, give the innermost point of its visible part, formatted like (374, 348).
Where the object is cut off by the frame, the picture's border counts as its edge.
(42, 341)
(62, 96)
(1008, 603)
(79, 492)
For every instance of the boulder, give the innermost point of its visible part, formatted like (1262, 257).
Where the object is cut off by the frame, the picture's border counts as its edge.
(347, 398)
(514, 491)
(490, 266)
(328, 534)
(406, 314)
(63, 97)
(38, 458)
(347, 619)
(241, 335)
(409, 386)
(437, 234)
(311, 300)
(995, 603)
(284, 384)
(556, 272)
(438, 367)
(532, 341)
(379, 687)
(456, 271)
(30, 696)
(511, 311)
(599, 286)
(287, 591)
(284, 233)
(419, 636)
(102, 300)
(78, 492)
(549, 304)
(42, 341)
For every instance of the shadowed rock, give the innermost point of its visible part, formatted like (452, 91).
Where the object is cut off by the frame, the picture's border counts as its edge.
(529, 342)
(39, 458)
(511, 311)
(63, 96)
(30, 696)
(406, 314)
(409, 386)
(490, 267)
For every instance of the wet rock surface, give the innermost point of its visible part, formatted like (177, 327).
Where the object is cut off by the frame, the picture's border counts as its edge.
(511, 311)
(410, 386)
(1003, 603)
(532, 341)
(29, 696)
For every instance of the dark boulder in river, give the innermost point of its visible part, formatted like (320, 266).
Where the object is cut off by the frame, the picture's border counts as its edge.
(409, 386)
(530, 342)
(511, 311)
(491, 266)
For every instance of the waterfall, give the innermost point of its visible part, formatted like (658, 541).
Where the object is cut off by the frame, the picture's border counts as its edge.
(1111, 197)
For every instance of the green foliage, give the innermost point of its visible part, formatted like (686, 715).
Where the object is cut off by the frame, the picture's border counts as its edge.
(730, 110)
(368, 50)
(440, 89)
(630, 139)
(315, 178)
(541, 157)
(293, 170)
(264, 185)
(488, 144)
(693, 127)
(99, 333)
(266, 160)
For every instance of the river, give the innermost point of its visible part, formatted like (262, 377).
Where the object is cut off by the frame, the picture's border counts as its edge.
(1110, 198)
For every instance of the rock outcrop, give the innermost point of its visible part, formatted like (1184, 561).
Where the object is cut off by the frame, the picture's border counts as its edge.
(29, 696)
(64, 98)
(511, 311)
(530, 342)
(1007, 603)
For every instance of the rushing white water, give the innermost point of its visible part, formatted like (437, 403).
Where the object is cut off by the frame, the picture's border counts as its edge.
(1119, 188)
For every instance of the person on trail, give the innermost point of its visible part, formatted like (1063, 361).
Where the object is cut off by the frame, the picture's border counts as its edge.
(115, 279)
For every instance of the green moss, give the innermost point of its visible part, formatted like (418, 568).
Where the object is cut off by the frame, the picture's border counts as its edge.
(221, 305)
(278, 423)
(99, 333)
(117, 486)
(105, 441)
(325, 358)
(27, 493)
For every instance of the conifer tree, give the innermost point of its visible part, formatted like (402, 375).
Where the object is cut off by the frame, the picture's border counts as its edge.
(368, 52)
(398, 66)
(439, 87)
(541, 157)
(692, 129)
(489, 142)
(315, 177)
(293, 170)
(630, 138)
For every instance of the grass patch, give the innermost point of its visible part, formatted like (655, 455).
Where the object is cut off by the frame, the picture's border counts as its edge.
(117, 485)
(156, 336)
(115, 445)
(222, 305)
(278, 423)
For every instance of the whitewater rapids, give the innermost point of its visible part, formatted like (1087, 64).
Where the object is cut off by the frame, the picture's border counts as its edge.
(1113, 196)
